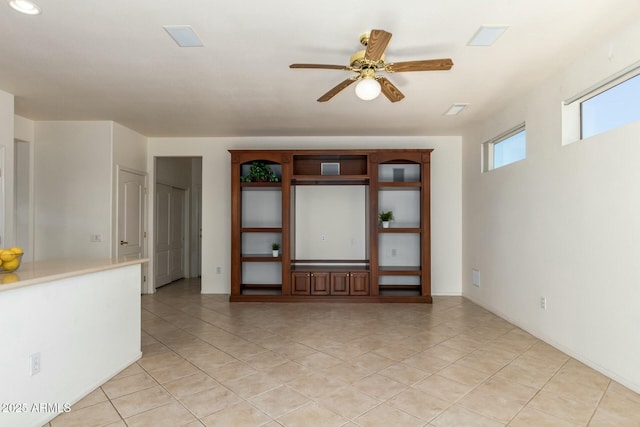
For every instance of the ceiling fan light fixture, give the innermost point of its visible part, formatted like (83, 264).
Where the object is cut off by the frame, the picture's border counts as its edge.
(25, 6)
(368, 88)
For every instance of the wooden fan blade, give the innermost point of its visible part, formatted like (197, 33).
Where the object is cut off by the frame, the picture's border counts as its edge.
(389, 90)
(426, 65)
(323, 66)
(333, 92)
(378, 41)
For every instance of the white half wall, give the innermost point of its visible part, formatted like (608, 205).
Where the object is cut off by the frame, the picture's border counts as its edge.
(446, 200)
(86, 330)
(561, 224)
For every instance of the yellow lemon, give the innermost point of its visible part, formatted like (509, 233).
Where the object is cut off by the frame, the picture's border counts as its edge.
(9, 278)
(11, 265)
(7, 256)
(16, 250)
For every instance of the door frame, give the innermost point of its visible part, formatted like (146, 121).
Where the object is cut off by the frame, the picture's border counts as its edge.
(152, 162)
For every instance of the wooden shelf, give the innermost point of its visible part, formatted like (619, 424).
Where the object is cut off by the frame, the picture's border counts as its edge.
(399, 230)
(329, 268)
(399, 287)
(260, 185)
(388, 270)
(261, 286)
(391, 185)
(260, 258)
(261, 230)
(330, 179)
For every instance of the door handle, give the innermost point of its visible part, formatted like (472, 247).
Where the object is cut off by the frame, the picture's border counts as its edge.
(122, 243)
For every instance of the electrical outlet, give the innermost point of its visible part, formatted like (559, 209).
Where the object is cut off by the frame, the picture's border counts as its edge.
(218, 270)
(323, 237)
(95, 238)
(35, 363)
(543, 303)
(394, 252)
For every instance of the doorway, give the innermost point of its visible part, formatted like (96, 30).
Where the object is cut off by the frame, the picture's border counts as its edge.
(177, 219)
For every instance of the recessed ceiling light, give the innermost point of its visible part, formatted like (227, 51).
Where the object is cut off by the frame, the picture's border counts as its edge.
(183, 35)
(455, 109)
(25, 6)
(487, 35)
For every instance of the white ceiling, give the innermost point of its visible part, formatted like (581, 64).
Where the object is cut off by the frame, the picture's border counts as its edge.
(112, 60)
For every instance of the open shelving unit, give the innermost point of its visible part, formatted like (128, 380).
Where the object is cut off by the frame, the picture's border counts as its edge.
(323, 211)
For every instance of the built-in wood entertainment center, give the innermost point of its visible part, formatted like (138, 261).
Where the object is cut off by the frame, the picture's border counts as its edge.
(321, 208)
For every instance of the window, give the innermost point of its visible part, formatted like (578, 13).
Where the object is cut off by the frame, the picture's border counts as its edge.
(607, 105)
(611, 108)
(507, 148)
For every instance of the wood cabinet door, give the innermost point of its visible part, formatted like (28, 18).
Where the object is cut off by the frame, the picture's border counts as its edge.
(319, 283)
(300, 283)
(339, 283)
(359, 283)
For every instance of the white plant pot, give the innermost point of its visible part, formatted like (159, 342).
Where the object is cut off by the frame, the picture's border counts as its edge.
(385, 224)
(275, 252)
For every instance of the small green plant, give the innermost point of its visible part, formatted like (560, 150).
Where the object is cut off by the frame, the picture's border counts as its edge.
(385, 216)
(275, 246)
(259, 172)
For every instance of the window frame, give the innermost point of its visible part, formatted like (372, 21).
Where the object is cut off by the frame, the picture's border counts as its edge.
(572, 107)
(488, 147)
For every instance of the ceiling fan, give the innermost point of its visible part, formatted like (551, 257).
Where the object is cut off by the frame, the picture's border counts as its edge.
(365, 63)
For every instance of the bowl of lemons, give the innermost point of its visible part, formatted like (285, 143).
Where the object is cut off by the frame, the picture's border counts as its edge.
(10, 259)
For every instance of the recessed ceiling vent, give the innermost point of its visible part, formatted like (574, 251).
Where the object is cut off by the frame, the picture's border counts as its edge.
(487, 35)
(183, 35)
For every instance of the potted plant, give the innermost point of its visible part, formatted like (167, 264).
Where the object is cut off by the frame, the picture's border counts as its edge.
(275, 248)
(385, 217)
(259, 172)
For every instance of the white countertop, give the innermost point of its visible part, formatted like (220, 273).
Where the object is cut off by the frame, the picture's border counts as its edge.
(33, 273)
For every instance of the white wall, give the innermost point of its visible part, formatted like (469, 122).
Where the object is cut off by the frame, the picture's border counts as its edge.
(562, 224)
(73, 198)
(129, 148)
(86, 329)
(174, 171)
(23, 206)
(7, 230)
(23, 128)
(216, 196)
(24, 163)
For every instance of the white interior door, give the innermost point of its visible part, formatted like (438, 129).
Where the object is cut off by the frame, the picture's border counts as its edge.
(170, 234)
(131, 203)
(177, 233)
(163, 235)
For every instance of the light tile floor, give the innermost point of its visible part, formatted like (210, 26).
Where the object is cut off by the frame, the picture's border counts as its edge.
(208, 362)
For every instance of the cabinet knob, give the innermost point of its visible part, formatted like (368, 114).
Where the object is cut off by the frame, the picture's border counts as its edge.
(310, 274)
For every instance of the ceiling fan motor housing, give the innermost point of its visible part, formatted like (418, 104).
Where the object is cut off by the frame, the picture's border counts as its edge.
(359, 62)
